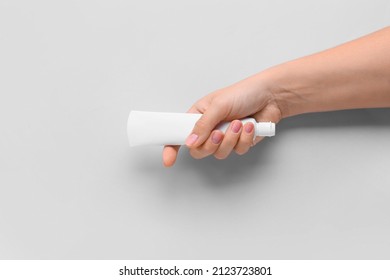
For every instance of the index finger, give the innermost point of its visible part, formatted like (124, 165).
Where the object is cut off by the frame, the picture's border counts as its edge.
(170, 152)
(212, 116)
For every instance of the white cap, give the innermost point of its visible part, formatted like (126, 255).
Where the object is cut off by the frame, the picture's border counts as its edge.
(265, 129)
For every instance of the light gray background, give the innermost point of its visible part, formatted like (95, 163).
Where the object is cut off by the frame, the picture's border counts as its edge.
(70, 187)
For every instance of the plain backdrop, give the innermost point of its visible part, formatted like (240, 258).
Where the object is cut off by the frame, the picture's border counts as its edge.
(71, 188)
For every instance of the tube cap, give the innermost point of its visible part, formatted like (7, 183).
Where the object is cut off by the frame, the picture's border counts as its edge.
(265, 129)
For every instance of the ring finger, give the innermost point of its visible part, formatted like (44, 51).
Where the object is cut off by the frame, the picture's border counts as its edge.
(230, 140)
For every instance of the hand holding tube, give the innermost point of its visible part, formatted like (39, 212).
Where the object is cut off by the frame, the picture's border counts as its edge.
(353, 75)
(246, 98)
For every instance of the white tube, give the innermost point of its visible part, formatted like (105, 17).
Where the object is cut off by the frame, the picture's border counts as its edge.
(157, 128)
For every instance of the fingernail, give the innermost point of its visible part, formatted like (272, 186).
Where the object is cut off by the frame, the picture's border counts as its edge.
(191, 139)
(216, 138)
(236, 126)
(249, 127)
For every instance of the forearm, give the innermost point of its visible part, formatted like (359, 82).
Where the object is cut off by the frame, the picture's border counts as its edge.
(353, 75)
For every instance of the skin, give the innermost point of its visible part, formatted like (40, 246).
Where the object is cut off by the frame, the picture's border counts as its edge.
(350, 76)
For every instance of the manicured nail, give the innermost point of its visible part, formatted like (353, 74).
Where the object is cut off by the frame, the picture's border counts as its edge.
(216, 138)
(236, 126)
(249, 128)
(191, 139)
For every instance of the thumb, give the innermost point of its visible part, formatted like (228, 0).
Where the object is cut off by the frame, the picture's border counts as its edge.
(213, 115)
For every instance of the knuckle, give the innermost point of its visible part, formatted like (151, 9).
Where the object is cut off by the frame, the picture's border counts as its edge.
(218, 102)
(195, 154)
(201, 125)
(221, 156)
(247, 142)
(241, 151)
(208, 149)
(230, 141)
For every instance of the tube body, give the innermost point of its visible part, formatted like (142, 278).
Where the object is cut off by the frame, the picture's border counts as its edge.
(158, 128)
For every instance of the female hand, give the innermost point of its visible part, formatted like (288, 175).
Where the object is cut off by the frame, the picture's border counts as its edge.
(350, 76)
(249, 97)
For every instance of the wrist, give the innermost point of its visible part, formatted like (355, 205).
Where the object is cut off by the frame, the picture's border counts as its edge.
(290, 91)
(306, 85)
